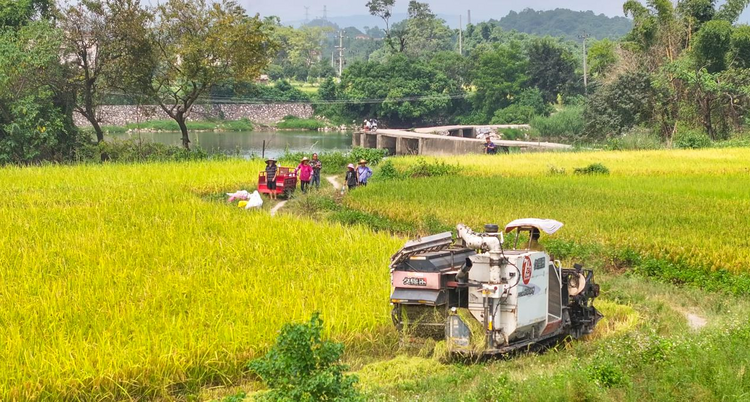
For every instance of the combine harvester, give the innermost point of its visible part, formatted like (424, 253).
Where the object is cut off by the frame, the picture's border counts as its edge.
(486, 300)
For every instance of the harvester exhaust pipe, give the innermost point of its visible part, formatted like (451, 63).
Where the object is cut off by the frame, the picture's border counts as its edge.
(491, 242)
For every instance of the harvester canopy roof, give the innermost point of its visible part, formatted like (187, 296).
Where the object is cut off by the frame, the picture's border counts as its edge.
(548, 226)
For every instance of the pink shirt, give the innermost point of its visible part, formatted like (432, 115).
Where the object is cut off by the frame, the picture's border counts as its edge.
(305, 171)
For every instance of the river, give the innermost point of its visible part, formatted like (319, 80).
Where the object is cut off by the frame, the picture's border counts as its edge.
(250, 143)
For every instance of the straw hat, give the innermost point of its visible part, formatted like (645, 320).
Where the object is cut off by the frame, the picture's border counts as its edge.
(305, 159)
(270, 160)
(362, 161)
(350, 166)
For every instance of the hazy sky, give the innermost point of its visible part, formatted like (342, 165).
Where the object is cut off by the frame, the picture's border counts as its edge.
(291, 10)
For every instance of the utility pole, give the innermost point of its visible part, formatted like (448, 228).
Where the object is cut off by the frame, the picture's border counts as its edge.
(468, 20)
(460, 35)
(585, 36)
(340, 48)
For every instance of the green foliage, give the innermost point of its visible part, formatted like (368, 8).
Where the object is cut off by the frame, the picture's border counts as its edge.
(199, 125)
(691, 139)
(35, 116)
(296, 123)
(567, 123)
(740, 53)
(281, 91)
(593, 169)
(551, 68)
(711, 44)
(601, 57)
(498, 76)
(513, 134)
(301, 366)
(238, 397)
(528, 103)
(615, 108)
(422, 168)
(386, 171)
(606, 372)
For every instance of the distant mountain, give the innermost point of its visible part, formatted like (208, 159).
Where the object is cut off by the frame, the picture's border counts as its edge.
(566, 23)
(559, 22)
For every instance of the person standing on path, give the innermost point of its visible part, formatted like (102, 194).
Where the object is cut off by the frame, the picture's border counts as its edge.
(317, 166)
(363, 173)
(304, 172)
(351, 178)
(489, 147)
(271, 177)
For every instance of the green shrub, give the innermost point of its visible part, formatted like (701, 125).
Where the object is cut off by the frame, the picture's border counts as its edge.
(567, 123)
(301, 366)
(422, 168)
(606, 373)
(592, 169)
(296, 123)
(388, 172)
(691, 139)
(513, 134)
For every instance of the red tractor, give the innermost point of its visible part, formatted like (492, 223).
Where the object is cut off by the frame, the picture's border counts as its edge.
(286, 182)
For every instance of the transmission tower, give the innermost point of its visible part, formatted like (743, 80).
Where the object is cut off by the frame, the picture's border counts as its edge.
(307, 14)
(325, 13)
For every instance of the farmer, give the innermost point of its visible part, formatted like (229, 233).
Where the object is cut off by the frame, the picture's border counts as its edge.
(351, 177)
(317, 165)
(363, 173)
(271, 177)
(534, 240)
(489, 146)
(304, 172)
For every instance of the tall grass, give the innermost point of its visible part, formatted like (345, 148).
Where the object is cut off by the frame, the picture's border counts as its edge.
(296, 123)
(125, 281)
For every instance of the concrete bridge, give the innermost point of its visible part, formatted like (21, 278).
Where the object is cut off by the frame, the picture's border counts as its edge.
(439, 141)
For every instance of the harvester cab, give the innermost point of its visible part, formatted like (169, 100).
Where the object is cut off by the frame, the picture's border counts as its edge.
(486, 300)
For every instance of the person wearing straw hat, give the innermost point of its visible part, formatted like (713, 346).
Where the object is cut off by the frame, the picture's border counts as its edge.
(351, 177)
(363, 173)
(304, 172)
(271, 169)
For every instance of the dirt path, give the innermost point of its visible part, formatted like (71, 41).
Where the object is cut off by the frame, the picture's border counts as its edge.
(334, 182)
(277, 207)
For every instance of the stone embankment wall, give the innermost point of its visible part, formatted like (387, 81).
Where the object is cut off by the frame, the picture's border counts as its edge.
(263, 114)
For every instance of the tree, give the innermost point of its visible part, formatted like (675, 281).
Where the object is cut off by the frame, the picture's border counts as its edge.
(101, 39)
(198, 45)
(425, 34)
(740, 53)
(15, 13)
(601, 57)
(35, 112)
(551, 68)
(499, 76)
(712, 43)
(383, 9)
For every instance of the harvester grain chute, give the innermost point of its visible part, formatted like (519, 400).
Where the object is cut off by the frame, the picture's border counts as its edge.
(488, 300)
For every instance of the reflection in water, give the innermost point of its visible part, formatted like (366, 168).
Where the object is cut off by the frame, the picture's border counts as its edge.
(250, 144)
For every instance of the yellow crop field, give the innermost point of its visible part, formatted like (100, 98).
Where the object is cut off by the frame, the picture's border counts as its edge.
(122, 281)
(689, 207)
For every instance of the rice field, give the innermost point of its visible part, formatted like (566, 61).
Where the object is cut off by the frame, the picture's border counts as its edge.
(136, 281)
(680, 206)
